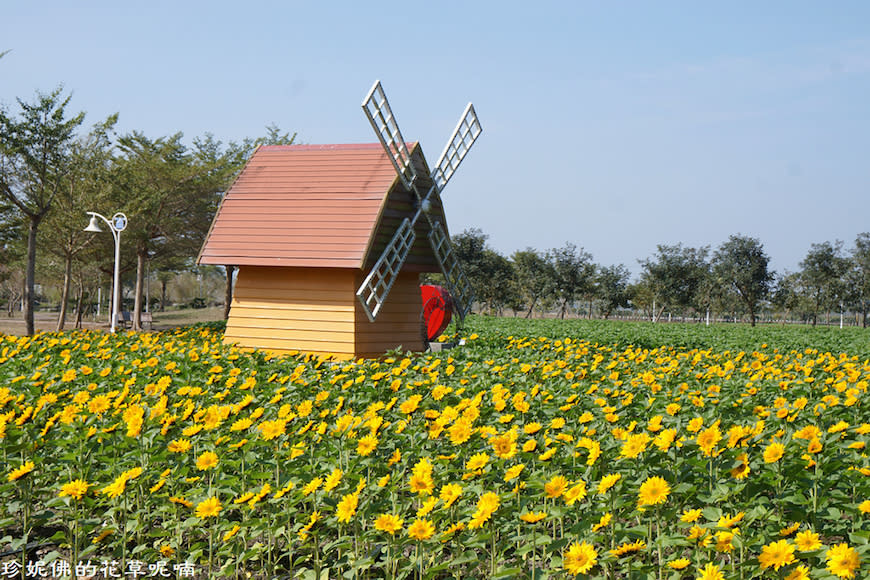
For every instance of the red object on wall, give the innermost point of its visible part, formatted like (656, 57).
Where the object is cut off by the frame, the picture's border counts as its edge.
(437, 310)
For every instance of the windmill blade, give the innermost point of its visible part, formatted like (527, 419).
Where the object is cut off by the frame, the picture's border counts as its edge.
(464, 136)
(380, 115)
(373, 291)
(457, 282)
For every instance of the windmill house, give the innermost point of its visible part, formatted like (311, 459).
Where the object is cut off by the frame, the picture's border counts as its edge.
(329, 242)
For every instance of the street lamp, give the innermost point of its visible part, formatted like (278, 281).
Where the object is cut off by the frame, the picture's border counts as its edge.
(118, 224)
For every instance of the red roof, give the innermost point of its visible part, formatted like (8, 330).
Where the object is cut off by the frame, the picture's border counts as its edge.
(310, 205)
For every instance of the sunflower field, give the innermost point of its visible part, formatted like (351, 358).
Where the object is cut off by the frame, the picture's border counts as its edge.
(529, 452)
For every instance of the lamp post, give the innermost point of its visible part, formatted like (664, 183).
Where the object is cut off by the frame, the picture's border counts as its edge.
(117, 224)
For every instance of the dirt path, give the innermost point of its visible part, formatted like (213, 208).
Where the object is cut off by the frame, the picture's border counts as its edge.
(47, 321)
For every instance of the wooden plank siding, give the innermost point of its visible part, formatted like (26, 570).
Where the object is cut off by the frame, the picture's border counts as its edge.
(284, 309)
(315, 310)
(401, 203)
(397, 325)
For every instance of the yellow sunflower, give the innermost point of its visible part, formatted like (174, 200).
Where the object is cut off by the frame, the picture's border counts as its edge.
(346, 508)
(653, 491)
(208, 508)
(776, 555)
(207, 460)
(843, 561)
(579, 558)
(366, 445)
(773, 452)
(607, 482)
(75, 489)
(556, 486)
(807, 541)
(421, 529)
(389, 523)
(20, 471)
(533, 517)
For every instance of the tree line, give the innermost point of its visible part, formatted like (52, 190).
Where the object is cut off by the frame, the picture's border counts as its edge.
(53, 170)
(733, 281)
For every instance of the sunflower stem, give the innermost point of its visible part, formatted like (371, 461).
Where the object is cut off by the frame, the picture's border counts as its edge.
(419, 562)
(658, 537)
(492, 553)
(210, 547)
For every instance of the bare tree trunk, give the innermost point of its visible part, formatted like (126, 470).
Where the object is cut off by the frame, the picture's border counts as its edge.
(228, 293)
(79, 304)
(531, 307)
(30, 276)
(137, 295)
(64, 293)
(163, 295)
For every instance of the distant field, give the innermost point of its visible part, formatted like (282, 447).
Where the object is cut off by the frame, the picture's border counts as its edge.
(47, 321)
(723, 336)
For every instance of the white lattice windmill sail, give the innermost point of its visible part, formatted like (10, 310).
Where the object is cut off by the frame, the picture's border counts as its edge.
(373, 292)
(380, 115)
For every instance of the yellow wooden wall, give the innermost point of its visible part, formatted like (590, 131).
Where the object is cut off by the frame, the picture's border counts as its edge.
(282, 309)
(315, 310)
(398, 323)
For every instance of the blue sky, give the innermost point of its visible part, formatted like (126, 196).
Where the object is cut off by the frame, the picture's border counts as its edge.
(613, 125)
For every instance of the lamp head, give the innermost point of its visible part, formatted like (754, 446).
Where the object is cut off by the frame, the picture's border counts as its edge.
(93, 226)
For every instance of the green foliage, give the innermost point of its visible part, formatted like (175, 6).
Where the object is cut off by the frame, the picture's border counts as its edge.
(823, 277)
(534, 276)
(34, 158)
(741, 264)
(612, 288)
(573, 275)
(675, 276)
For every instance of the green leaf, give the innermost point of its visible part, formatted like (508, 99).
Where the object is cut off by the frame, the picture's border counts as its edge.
(712, 514)
(860, 537)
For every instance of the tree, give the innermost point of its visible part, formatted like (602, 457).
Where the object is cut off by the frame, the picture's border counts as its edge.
(534, 276)
(490, 274)
(34, 157)
(573, 275)
(612, 288)
(643, 297)
(674, 277)
(860, 257)
(741, 265)
(10, 233)
(86, 182)
(172, 193)
(469, 247)
(501, 290)
(786, 295)
(11, 253)
(822, 276)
